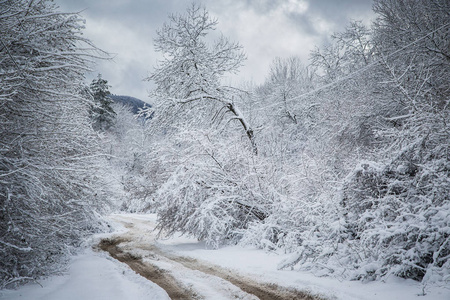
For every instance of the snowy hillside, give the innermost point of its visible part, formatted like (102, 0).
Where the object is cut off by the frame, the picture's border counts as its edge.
(132, 102)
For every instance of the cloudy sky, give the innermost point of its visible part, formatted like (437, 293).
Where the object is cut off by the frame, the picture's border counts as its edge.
(265, 28)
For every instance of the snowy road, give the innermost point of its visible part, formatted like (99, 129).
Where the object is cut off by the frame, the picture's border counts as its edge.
(184, 268)
(183, 277)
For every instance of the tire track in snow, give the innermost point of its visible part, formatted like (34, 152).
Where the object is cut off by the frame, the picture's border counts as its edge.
(148, 271)
(263, 291)
(146, 259)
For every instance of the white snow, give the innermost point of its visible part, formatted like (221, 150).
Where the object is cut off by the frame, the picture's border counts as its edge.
(263, 266)
(94, 275)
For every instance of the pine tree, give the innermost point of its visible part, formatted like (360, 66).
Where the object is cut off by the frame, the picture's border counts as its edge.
(102, 114)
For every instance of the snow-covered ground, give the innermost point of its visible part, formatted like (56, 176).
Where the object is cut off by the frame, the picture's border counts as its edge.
(263, 267)
(94, 275)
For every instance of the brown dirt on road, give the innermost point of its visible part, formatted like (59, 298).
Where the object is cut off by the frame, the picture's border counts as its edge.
(261, 290)
(151, 272)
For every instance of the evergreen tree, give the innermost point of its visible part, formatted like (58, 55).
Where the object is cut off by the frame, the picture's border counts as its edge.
(102, 114)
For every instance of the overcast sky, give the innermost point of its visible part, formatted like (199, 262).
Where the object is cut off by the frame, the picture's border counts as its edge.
(265, 28)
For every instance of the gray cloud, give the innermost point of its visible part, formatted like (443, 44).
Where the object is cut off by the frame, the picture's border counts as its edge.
(340, 11)
(265, 28)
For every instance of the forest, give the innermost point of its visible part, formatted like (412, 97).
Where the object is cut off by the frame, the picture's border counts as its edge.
(343, 160)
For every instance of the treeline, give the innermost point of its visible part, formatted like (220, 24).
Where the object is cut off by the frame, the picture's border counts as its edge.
(342, 161)
(51, 187)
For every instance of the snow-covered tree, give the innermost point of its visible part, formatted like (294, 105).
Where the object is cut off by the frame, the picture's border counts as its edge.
(405, 203)
(393, 212)
(203, 161)
(102, 114)
(188, 79)
(49, 179)
(287, 79)
(129, 147)
(394, 208)
(213, 190)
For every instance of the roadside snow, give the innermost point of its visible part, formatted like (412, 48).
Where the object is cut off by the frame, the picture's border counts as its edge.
(92, 275)
(263, 267)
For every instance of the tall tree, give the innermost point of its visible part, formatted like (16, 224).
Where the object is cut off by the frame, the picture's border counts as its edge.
(102, 114)
(204, 161)
(288, 78)
(191, 71)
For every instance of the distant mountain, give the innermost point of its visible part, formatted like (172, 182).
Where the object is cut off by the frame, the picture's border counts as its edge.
(134, 103)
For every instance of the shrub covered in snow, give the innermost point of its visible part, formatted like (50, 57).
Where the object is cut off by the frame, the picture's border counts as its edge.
(212, 194)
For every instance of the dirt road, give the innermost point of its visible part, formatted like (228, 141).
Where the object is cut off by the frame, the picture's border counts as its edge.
(183, 277)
